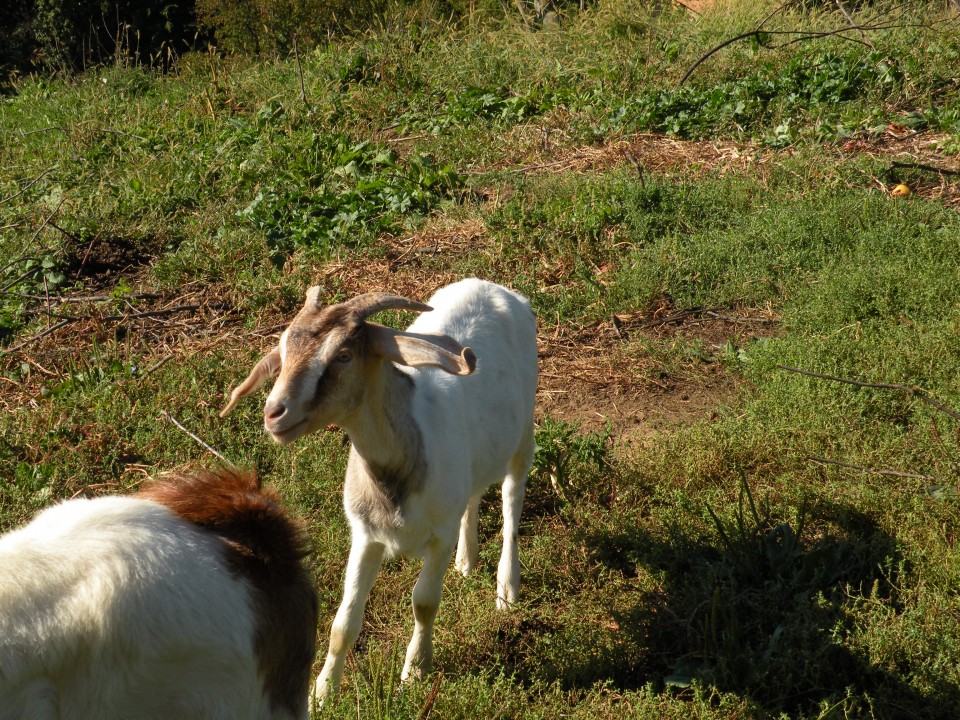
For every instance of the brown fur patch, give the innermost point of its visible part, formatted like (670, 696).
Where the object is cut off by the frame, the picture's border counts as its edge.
(311, 326)
(264, 545)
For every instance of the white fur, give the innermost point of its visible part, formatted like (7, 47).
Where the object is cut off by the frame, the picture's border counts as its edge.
(476, 430)
(118, 608)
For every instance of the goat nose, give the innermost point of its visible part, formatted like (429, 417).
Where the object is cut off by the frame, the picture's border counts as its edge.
(274, 411)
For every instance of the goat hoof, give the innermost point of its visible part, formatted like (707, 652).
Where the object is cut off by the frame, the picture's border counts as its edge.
(503, 604)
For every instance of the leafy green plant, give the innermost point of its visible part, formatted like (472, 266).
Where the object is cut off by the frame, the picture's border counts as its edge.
(344, 193)
(567, 458)
(806, 86)
(499, 106)
(26, 276)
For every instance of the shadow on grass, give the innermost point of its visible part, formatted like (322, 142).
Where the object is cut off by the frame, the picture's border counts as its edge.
(756, 608)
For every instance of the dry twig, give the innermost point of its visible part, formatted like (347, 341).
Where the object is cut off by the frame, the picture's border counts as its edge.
(759, 34)
(173, 420)
(875, 471)
(303, 88)
(853, 24)
(922, 166)
(908, 389)
(33, 338)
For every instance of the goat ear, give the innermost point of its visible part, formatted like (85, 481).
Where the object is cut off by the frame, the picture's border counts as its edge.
(268, 367)
(419, 349)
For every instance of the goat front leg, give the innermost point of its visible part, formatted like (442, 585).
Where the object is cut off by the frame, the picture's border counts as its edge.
(426, 601)
(362, 568)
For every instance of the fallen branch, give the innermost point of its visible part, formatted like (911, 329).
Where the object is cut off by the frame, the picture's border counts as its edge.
(921, 166)
(802, 35)
(34, 338)
(172, 419)
(908, 389)
(28, 185)
(874, 471)
(159, 364)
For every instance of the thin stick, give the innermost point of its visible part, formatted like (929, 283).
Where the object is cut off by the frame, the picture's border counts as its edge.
(47, 220)
(853, 24)
(64, 299)
(875, 471)
(95, 486)
(921, 394)
(159, 364)
(72, 236)
(172, 419)
(687, 7)
(431, 698)
(736, 319)
(123, 134)
(17, 279)
(801, 35)
(151, 313)
(20, 260)
(303, 89)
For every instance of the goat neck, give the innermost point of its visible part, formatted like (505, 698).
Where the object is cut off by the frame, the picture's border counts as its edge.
(388, 462)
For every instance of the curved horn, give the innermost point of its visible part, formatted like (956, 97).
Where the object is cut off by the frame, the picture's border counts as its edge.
(369, 303)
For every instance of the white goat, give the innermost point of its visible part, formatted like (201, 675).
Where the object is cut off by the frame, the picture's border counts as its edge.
(188, 600)
(428, 438)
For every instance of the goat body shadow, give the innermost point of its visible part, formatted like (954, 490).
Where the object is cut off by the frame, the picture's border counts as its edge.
(753, 615)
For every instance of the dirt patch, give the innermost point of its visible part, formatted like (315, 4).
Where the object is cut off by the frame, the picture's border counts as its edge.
(99, 263)
(915, 160)
(604, 377)
(413, 266)
(151, 328)
(935, 175)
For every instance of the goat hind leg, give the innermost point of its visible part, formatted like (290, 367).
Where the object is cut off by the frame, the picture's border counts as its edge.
(468, 548)
(514, 488)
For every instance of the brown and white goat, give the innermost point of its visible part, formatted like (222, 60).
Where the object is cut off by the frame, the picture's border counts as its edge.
(189, 599)
(436, 414)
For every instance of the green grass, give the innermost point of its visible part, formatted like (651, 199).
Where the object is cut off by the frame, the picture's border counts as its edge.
(704, 569)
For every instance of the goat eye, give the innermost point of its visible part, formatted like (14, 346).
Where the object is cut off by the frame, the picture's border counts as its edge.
(344, 356)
